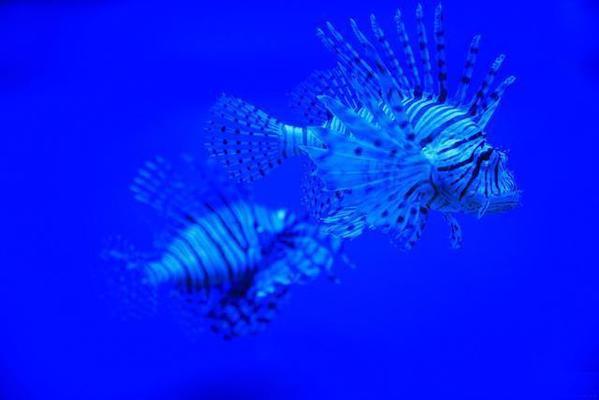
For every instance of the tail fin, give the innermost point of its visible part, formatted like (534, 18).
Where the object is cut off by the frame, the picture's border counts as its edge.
(245, 139)
(125, 281)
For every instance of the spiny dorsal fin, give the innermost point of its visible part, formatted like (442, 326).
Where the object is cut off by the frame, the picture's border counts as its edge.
(367, 63)
(424, 51)
(486, 85)
(331, 83)
(408, 53)
(495, 99)
(351, 60)
(392, 61)
(468, 70)
(370, 51)
(441, 59)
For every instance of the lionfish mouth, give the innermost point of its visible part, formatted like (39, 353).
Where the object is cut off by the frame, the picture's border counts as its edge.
(499, 203)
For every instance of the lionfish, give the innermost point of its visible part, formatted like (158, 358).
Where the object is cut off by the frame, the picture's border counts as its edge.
(387, 141)
(225, 261)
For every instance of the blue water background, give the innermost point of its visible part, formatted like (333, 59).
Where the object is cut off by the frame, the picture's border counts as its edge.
(90, 90)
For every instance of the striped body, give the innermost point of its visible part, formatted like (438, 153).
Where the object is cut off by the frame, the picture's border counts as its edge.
(219, 249)
(227, 260)
(242, 249)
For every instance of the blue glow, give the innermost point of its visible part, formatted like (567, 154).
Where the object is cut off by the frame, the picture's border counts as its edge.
(90, 90)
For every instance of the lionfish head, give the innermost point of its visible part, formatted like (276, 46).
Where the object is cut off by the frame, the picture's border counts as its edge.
(494, 189)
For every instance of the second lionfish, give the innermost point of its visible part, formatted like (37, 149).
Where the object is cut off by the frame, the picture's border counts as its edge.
(387, 140)
(223, 261)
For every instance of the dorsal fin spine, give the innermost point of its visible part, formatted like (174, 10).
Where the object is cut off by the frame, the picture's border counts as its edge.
(396, 68)
(408, 53)
(481, 94)
(351, 59)
(424, 51)
(495, 99)
(441, 59)
(468, 70)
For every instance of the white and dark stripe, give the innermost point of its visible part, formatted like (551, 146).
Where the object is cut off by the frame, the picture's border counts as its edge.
(220, 248)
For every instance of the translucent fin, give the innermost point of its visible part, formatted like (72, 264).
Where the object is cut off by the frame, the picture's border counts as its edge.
(408, 53)
(317, 201)
(183, 192)
(160, 187)
(424, 51)
(468, 70)
(355, 123)
(441, 58)
(455, 231)
(304, 99)
(391, 60)
(495, 99)
(485, 86)
(400, 122)
(385, 111)
(371, 53)
(331, 83)
(346, 93)
(125, 281)
(247, 141)
(410, 223)
(378, 176)
(372, 63)
(349, 59)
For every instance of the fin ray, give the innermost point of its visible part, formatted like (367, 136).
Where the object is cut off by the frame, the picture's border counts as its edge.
(246, 140)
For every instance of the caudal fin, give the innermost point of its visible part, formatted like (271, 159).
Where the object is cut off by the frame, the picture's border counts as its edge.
(248, 142)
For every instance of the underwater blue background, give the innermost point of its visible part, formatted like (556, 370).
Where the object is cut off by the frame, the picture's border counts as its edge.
(90, 90)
